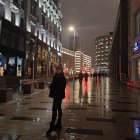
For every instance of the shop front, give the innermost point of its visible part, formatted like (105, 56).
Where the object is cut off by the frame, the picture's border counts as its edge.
(30, 61)
(2, 64)
(136, 61)
(42, 60)
(10, 65)
(11, 50)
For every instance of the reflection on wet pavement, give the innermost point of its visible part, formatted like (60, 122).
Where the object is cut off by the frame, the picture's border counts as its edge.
(100, 109)
(8, 137)
(84, 131)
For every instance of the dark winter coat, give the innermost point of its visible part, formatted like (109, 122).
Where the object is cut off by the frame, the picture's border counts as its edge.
(80, 76)
(57, 87)
(86, 76)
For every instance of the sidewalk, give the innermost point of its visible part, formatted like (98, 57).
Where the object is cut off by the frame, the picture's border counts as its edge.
(137, 85)
(98, 110)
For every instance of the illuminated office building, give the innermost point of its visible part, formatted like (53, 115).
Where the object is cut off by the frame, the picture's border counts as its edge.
(86, 65)
(78, 60)
(103, 44)
(81, 59)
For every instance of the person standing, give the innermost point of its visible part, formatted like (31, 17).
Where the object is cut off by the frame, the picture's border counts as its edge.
(86, 76)
(80, 77)
(57, 92)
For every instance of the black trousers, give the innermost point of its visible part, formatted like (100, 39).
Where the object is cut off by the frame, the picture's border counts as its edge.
(56, 110)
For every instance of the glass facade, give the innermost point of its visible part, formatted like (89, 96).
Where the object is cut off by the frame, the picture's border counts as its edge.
(12, 65)
(137, 70)
(2, 63)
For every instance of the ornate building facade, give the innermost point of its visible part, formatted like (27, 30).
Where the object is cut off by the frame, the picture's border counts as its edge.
(30, 32)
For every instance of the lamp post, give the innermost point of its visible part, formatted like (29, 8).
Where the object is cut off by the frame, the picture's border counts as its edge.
(71, 28)
(31, 46)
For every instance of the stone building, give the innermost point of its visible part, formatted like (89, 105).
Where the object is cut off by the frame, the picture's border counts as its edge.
(30, 32)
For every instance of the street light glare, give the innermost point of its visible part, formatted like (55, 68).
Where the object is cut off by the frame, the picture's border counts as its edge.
(71, 28)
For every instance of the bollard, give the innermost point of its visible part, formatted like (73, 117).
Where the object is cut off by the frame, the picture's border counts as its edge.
(41, 85)
(27, 88)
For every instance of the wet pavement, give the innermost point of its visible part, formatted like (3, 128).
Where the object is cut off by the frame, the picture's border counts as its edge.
(101, 109)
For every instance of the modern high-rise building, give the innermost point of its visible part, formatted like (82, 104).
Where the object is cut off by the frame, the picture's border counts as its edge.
(30, 32)
(78, 60)
(75, 43)
(103, 44)
(86, 64)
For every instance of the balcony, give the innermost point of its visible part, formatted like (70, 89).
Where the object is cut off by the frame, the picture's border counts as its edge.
(14, 5)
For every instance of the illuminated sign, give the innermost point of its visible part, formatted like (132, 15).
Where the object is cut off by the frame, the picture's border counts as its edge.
(136, 47)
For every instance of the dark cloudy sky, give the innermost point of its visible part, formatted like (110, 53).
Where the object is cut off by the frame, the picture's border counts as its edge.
(91, 19)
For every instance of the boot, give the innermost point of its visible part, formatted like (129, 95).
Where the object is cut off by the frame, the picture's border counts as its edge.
(50, 129)
(58, 125)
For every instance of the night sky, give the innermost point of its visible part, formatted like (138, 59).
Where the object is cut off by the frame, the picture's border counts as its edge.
(91, 19)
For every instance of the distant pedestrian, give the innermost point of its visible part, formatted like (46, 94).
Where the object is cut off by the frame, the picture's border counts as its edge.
(95, 74)
(80, 77)
(57, 92)
(86, 76)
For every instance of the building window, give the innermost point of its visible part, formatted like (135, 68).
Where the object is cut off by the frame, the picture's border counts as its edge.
(13, 17)
(137, 24)
(47, 25)
(21, 44)
(14, 40)
(5, 37)
(43, 21)
(39, 51)
(50, 29)
(21, 23)
(44, 53)
(16, 3)
(37, 17)
(42, 36)
(33, 8)
(32, 29)
(22, 4)
(1, 11)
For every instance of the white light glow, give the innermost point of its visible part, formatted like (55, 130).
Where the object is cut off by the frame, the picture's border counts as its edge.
(71, 28)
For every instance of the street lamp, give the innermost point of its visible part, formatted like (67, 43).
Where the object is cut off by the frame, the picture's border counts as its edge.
(71, 28)
(31, 46)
